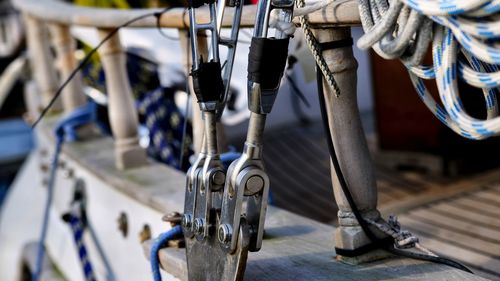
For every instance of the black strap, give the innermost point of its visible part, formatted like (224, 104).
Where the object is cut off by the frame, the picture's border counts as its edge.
(379, 244)
(207, 82)
(199, 3)
(336, 44)
(266, 61)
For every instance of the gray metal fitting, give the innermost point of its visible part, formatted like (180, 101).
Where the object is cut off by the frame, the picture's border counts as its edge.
(253, 185)
(218, 178)
(224, 233)
(198, 226)
(187, 221)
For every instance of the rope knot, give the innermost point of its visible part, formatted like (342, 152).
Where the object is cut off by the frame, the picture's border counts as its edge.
(403, 238)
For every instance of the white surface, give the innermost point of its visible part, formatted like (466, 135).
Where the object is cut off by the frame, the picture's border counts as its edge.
(21, 216)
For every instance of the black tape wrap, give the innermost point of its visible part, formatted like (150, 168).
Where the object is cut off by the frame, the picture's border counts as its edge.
(207, 82)
(266, 61)
(199, 3)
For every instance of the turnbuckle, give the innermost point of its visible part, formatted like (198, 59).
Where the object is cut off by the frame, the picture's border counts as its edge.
(224, 216)
(207, 173)
(206, 177)
(247, 185)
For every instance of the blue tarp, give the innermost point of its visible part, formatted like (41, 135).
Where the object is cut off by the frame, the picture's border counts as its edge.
(16, 142)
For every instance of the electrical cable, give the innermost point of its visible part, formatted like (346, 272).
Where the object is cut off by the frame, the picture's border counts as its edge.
(188, 99)
(87, 58)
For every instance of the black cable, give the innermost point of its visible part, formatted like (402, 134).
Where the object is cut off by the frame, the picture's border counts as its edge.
(188, 98)
(87, 58)
(296, 90)
(343, 184)
(160, 30)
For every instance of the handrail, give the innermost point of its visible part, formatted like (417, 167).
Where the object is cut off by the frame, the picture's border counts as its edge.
(341, 12)
(61, 16)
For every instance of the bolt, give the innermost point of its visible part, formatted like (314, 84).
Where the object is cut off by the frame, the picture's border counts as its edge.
(254, 184)
(187, 221)
(145, 233)
(44, 167)
(123, 224)
(173, 218)
(69, 173)
(218, 178)
(199, 226)
(224, 233)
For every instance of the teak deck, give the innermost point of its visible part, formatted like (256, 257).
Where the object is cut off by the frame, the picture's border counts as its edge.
(465, 227)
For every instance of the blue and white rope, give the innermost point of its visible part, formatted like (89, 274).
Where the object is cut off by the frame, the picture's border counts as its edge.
(78, 230)
(466, 26)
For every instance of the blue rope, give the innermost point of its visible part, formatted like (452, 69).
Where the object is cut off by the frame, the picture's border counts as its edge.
(159, 243)
(65, 128)
(228, 157)
(110, 275)
(77, 228)
(48, 203)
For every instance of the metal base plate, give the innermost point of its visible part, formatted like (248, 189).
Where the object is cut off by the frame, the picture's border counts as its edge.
(207, 261)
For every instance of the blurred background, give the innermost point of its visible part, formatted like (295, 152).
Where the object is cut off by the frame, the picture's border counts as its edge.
(414, 155)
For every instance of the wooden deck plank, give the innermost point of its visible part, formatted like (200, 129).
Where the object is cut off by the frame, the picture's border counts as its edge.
(452, 237)
(488, 196)
(384, 197)
(298, 249)
(468, 257)
(468, 228)
(437, 193)
(395, 191)
(451, 210)
(464, 226)
(473, 205)
(397, 180)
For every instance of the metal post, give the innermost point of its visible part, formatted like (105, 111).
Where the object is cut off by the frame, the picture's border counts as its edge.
(350, 143)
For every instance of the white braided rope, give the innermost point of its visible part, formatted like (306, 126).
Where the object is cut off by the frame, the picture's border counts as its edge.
(313, 45)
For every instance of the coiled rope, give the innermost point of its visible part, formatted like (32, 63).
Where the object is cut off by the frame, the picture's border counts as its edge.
(404, 29)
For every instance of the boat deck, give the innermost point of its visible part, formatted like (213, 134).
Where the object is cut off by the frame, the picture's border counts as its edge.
(465, 227)
(454, 217)
(298, 163)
